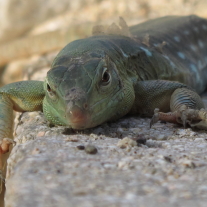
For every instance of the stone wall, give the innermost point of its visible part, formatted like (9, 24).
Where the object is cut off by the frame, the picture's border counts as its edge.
(48, 167)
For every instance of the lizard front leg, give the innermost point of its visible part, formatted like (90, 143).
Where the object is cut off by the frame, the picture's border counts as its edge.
(186, 108)
(20, 96)
(6, 125)
(177, 102)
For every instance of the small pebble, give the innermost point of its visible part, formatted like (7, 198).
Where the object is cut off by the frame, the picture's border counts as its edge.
(141, 140)
(152, 143)
(161, 137)
(36, 151)
(72, 139)
(80, 147)
(168, 158)
(126, 142)
(41, 134)
(90, 149)
(181, 132)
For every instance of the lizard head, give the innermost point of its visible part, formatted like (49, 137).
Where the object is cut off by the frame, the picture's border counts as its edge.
(85, 88)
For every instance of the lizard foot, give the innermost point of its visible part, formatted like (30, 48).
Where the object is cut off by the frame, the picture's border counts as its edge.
(184, 115)
(4, 148)
(4, 145)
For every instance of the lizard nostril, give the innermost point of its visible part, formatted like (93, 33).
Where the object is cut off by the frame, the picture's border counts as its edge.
(85, 106)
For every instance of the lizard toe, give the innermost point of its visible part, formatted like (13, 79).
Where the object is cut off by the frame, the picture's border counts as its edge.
(5, 144)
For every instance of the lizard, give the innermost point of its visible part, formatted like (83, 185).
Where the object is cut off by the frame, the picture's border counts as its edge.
(157, 68)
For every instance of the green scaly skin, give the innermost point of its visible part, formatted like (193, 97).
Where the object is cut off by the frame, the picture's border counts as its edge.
(162, 64)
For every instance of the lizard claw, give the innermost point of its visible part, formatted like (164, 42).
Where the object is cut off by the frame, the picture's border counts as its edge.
(155, 117)
(183, 117)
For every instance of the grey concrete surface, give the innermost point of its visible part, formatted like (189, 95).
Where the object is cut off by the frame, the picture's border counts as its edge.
(162, 166)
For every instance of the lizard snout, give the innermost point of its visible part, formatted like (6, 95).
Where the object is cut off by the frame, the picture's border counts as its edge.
(77, 112)
(77, 108)
(78, 117)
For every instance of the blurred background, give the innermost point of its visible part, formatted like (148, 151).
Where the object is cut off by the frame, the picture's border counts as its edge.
(33, 32)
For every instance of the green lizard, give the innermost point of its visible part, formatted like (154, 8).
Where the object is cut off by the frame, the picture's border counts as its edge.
(161, 63)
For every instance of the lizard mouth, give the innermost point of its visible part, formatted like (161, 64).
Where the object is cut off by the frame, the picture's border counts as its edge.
(78, 118)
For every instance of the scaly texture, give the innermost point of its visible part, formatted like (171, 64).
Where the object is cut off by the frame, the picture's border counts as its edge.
(158, 64)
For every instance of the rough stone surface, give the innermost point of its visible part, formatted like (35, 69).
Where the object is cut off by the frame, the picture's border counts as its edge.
(34, 68)
(27, 33)
(47, 168)
(19, 16)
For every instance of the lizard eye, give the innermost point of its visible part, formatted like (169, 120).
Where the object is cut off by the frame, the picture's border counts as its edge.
(106, 77)
(51, 93)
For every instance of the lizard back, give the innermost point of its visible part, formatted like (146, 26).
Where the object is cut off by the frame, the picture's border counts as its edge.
(181, 40)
